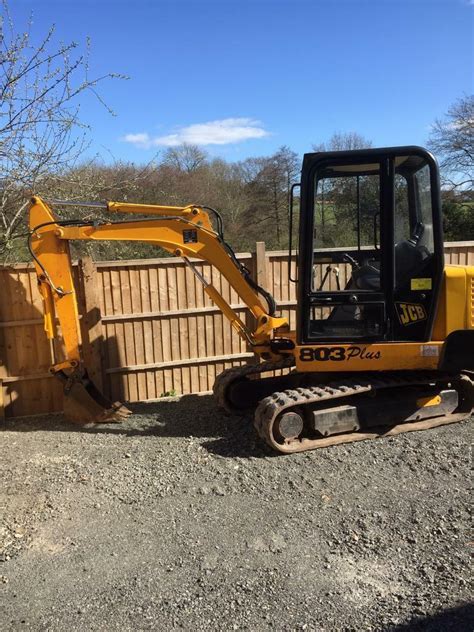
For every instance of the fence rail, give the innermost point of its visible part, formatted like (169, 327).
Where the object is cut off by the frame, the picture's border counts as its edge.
(147, 327)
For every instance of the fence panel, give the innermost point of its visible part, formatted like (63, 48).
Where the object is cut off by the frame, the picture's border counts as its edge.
(25, 353)
(147, 325)
(459, 253)
(162, 333)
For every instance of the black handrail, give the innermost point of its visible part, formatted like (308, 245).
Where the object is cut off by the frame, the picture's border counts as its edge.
(290, 244)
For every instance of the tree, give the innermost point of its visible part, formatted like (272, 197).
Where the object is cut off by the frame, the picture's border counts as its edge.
(336, 207)
(185, 157)
(41, 132)
(458, 216)
(342, 141)
(452, 139)
(269, 191)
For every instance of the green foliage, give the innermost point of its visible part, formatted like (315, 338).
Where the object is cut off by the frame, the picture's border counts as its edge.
(336, 211)
(458, 219)
(171, 393)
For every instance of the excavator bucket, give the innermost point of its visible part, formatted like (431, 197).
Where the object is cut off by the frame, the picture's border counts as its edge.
(85, 404)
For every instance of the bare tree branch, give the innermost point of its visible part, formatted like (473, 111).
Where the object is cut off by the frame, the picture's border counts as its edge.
(452, 139)
(41, 133)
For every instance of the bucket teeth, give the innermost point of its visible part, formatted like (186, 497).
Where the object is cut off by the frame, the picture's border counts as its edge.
(116, 413)
(84, 404)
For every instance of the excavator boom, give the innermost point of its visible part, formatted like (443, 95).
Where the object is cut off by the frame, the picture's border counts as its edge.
(185, 232)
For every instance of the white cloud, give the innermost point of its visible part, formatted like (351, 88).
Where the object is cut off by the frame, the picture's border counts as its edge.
(221, 132)
(141, 140)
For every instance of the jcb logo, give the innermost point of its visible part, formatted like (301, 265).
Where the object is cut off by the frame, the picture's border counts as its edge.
(410, 313)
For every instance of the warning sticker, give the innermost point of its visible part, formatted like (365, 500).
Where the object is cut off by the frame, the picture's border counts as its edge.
(421, 284)
(429, 350)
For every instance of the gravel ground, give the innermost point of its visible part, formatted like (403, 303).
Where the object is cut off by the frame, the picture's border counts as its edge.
(180, 518)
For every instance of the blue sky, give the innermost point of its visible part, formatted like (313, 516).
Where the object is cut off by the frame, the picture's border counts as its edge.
(243, 78)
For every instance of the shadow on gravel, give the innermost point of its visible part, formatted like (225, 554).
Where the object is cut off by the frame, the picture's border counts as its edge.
(189, 416)
(459, 619)
(197, 416)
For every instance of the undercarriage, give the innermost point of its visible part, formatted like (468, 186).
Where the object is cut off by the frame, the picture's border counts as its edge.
(296, 412)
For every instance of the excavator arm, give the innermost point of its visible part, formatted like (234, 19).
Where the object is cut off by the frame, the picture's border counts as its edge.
(185, 232)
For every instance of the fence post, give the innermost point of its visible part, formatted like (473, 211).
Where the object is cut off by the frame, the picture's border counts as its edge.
(260, 264)
(259, 275)
(2, 403)
(91, 322)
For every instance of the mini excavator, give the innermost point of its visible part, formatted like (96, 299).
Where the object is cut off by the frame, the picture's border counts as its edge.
(384, 341)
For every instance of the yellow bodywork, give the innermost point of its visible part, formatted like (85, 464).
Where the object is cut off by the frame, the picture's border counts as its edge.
(456, 301)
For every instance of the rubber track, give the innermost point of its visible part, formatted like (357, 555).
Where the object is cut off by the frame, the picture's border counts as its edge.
(224, 380)
(270, 407)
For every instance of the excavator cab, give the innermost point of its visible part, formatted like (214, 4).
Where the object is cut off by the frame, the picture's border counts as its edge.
(371, 250)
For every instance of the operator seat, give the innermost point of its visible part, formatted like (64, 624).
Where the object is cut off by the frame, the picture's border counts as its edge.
(412, 255)
(367, 276)
(410, 260)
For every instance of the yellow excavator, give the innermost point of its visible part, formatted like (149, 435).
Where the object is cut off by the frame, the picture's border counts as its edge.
(384, 341)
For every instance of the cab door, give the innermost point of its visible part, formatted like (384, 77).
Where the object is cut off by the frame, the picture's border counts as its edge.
(418, 245)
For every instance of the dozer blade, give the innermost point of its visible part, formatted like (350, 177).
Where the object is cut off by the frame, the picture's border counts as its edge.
(85, 404)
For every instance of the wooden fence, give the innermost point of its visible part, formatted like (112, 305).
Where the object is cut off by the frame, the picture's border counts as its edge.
(147, 327)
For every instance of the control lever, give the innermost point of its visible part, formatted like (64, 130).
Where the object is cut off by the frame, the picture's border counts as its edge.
(348, 259)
